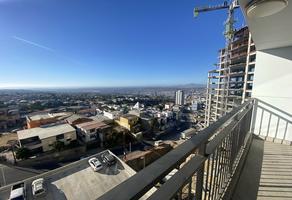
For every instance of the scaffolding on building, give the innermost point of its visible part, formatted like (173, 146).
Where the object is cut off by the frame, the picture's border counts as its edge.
(230, 84)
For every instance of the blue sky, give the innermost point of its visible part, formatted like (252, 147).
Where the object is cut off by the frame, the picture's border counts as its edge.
(53, 43)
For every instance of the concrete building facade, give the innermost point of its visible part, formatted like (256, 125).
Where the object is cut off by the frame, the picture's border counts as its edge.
(112, 114)
(93, 131)
(179, 97)
(129, 122)
(231, 83)
(42, 139)
(44, 119)
(273, 74)
(9, 117)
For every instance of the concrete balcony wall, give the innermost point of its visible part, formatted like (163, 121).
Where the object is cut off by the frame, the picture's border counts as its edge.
(273, 88)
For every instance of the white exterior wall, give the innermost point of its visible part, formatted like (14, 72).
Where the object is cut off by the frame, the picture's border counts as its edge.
(273, 86)
(48, 142)
(87, 135)
(108, 114)
(111, 115)
(179, 97)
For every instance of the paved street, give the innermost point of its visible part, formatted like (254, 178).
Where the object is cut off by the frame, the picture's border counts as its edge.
(174, 134)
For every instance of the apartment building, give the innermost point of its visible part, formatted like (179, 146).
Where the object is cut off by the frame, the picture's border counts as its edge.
(231, 83)
(94, 131)
(42, 139)
(179, 97)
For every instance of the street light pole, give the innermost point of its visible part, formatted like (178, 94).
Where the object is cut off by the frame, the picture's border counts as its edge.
(13, 153)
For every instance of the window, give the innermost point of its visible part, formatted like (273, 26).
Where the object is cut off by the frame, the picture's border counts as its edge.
(31, 141)
(251, 68)
(92, 136)
(252, 58)
(249, 86)
(250, 77)
(60, 137)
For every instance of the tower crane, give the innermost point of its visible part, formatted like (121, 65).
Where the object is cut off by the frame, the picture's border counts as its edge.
(229, 24)
(229, 36)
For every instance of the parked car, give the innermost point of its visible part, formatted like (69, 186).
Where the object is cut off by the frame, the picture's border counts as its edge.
(158, 142)
(38, 187)
(95, 164)
(18, 192)
(186, 134)
(108, 159)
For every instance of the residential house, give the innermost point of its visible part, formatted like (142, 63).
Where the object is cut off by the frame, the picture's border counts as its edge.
(94, 131)
(77, 119)
(42, 139)
(45, 119)
(130, 122)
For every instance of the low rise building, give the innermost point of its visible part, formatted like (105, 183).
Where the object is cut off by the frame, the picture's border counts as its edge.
(77, 119)
(112, 114)
(94, 131)
(44, 119)
(87, 112)
(9, 117)
(42, 139)
(102, 118)
(130, 122)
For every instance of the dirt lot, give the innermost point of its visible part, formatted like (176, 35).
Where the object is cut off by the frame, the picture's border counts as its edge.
(5, 138)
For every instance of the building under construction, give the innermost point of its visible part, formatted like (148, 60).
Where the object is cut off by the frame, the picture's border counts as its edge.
(231, 82)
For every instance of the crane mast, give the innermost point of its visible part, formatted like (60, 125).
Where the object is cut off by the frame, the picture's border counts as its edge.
(229, 36)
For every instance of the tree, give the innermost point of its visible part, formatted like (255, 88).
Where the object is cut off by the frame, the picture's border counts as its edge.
(155, 125)
(58, 145)
(2, 104)
(23, 153)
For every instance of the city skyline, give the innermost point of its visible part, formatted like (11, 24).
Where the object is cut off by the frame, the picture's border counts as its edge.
(107, 43)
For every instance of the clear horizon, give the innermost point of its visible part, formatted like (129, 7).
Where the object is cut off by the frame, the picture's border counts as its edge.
(88, 87)
(107, 43)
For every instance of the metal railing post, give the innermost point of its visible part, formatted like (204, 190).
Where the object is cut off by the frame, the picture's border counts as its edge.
(190, 189)
(208, 147)
(200, 174)
(254, 104)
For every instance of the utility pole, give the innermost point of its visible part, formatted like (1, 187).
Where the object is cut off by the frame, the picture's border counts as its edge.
(130, 147)
(3, 175)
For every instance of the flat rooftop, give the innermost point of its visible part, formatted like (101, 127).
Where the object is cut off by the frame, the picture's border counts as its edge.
(92, 125)
(45, 132)
(129, 116)
(48, 116)
(39, 117)
(77, 181)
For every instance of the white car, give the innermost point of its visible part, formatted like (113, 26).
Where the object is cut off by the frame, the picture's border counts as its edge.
(95, 164)
(18, 192)
(38, 187)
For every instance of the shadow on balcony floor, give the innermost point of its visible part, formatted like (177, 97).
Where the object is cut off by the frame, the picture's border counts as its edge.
(267, 172)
